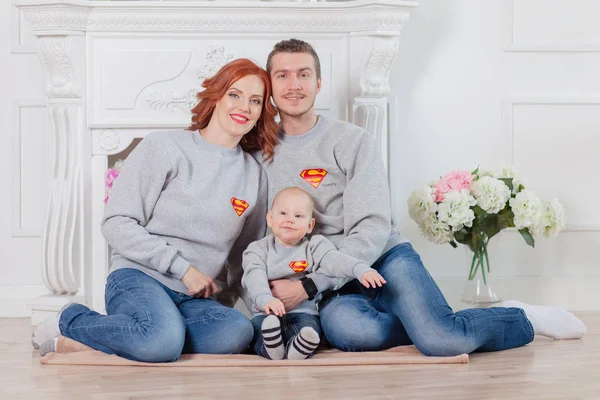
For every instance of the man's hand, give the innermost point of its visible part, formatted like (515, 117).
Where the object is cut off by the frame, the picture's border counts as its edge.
(276, 307)
(372, 279)
(199, 284)
(291, 293)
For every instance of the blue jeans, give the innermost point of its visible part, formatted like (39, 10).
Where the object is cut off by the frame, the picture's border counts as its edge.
(291, 323)
(410, 309)
(147, 321)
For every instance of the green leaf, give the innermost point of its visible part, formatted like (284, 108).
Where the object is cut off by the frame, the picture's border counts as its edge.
(476, 171)
(506, 217)
(453, 244)
(508, 182)
(521, 187)
(463, 236)
(479, 211)
(527, 236)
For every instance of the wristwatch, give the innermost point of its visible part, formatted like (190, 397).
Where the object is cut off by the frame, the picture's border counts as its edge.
(309, 287)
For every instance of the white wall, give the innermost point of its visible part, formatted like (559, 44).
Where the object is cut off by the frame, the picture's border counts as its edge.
(452, 85)
(25, 184)
(490, 82)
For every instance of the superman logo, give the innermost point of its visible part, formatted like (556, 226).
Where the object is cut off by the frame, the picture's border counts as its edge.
(298, 266)
(314, 176)
(239, 205)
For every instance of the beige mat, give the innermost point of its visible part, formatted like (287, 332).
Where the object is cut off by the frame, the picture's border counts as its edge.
(70, 352)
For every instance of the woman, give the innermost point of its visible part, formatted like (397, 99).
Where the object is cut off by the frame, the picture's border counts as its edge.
(185, 206)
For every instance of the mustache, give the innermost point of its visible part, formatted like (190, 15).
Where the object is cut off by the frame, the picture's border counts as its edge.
(294, 94)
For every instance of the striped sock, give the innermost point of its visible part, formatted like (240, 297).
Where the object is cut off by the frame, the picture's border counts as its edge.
(304, 344)
(272, 339)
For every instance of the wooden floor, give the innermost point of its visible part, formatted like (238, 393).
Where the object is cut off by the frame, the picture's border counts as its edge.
(545, 369)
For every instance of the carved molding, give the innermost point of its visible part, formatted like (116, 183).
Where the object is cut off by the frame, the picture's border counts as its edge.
(360, 15)
(180, 101)
(57, 18)
(62, 248)
(172, 101)
(374, 80)
(215, 59)
(54, 53)
(111, 141)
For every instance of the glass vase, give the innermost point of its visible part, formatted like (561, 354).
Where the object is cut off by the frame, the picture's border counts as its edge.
(480, 290)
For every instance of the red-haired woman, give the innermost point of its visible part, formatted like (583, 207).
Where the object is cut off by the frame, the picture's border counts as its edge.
(184, 208)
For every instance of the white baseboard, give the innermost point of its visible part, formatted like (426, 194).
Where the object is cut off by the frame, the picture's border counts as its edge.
(571, 293)
(16, 299)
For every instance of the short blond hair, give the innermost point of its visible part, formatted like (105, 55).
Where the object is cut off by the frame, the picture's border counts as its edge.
(295, 190)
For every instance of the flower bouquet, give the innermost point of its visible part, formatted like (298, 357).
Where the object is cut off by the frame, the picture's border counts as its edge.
(472, 207)
(111, 174)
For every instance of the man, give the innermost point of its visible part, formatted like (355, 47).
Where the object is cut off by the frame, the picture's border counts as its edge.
(337, 163)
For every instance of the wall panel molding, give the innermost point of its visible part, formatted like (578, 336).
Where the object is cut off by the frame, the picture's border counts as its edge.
(17, 46)
(516, 45)
(17, 229)
(514, 100)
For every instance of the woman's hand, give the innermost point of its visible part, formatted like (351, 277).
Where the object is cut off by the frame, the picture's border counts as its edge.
(276, 307)
(199, 284)
(291, 293)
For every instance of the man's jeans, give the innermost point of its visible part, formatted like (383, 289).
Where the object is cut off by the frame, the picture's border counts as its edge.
(291, 323)
(149, 322)
(410, 309)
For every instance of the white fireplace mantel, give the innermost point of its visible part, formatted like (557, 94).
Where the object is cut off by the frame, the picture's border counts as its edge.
(117, 70)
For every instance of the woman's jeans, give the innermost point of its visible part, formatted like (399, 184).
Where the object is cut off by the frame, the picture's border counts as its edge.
(149, 322)
(410, 309)
(291, 323)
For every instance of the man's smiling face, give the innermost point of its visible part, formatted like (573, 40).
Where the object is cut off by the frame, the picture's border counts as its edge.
(295, 83)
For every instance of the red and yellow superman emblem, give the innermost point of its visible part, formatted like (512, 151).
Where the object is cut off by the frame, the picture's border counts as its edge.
(239, 205)
(314, 176)
(299, 266)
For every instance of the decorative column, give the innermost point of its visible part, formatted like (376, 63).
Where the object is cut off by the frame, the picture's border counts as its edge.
(62, 53)
(370, 106)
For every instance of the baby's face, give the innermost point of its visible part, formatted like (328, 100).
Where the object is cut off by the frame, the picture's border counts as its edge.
(291, 218)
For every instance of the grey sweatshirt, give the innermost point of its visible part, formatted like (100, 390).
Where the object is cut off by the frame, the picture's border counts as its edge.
(338, 165)
(181, 201)
(266, 260)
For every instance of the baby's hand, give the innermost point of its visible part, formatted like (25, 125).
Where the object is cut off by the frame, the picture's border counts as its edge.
(372, 279)
(276, 307)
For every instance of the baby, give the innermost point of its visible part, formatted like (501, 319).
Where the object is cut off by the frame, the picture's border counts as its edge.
(289, 254)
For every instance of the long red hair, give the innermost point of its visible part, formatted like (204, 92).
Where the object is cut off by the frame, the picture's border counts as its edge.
(263, 135)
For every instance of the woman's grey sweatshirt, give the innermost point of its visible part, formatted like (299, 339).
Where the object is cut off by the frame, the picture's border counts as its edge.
(180, 201)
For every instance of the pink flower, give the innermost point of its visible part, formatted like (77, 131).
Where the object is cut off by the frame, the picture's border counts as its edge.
(454, 181)
(111, 175)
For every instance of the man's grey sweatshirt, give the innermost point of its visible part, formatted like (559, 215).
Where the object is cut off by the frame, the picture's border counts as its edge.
(266, 260)
(181, 201)
(337, 163)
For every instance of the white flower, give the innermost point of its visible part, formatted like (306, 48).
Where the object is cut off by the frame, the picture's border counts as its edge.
(527, 208)
(510, 171)
(118, 164)
(491, 194)
(421, 204)
(435, 230)
(481, 172)
(552, 221)
(456, 211)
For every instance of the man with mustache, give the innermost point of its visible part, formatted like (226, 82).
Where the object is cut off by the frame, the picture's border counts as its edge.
(337, 163)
